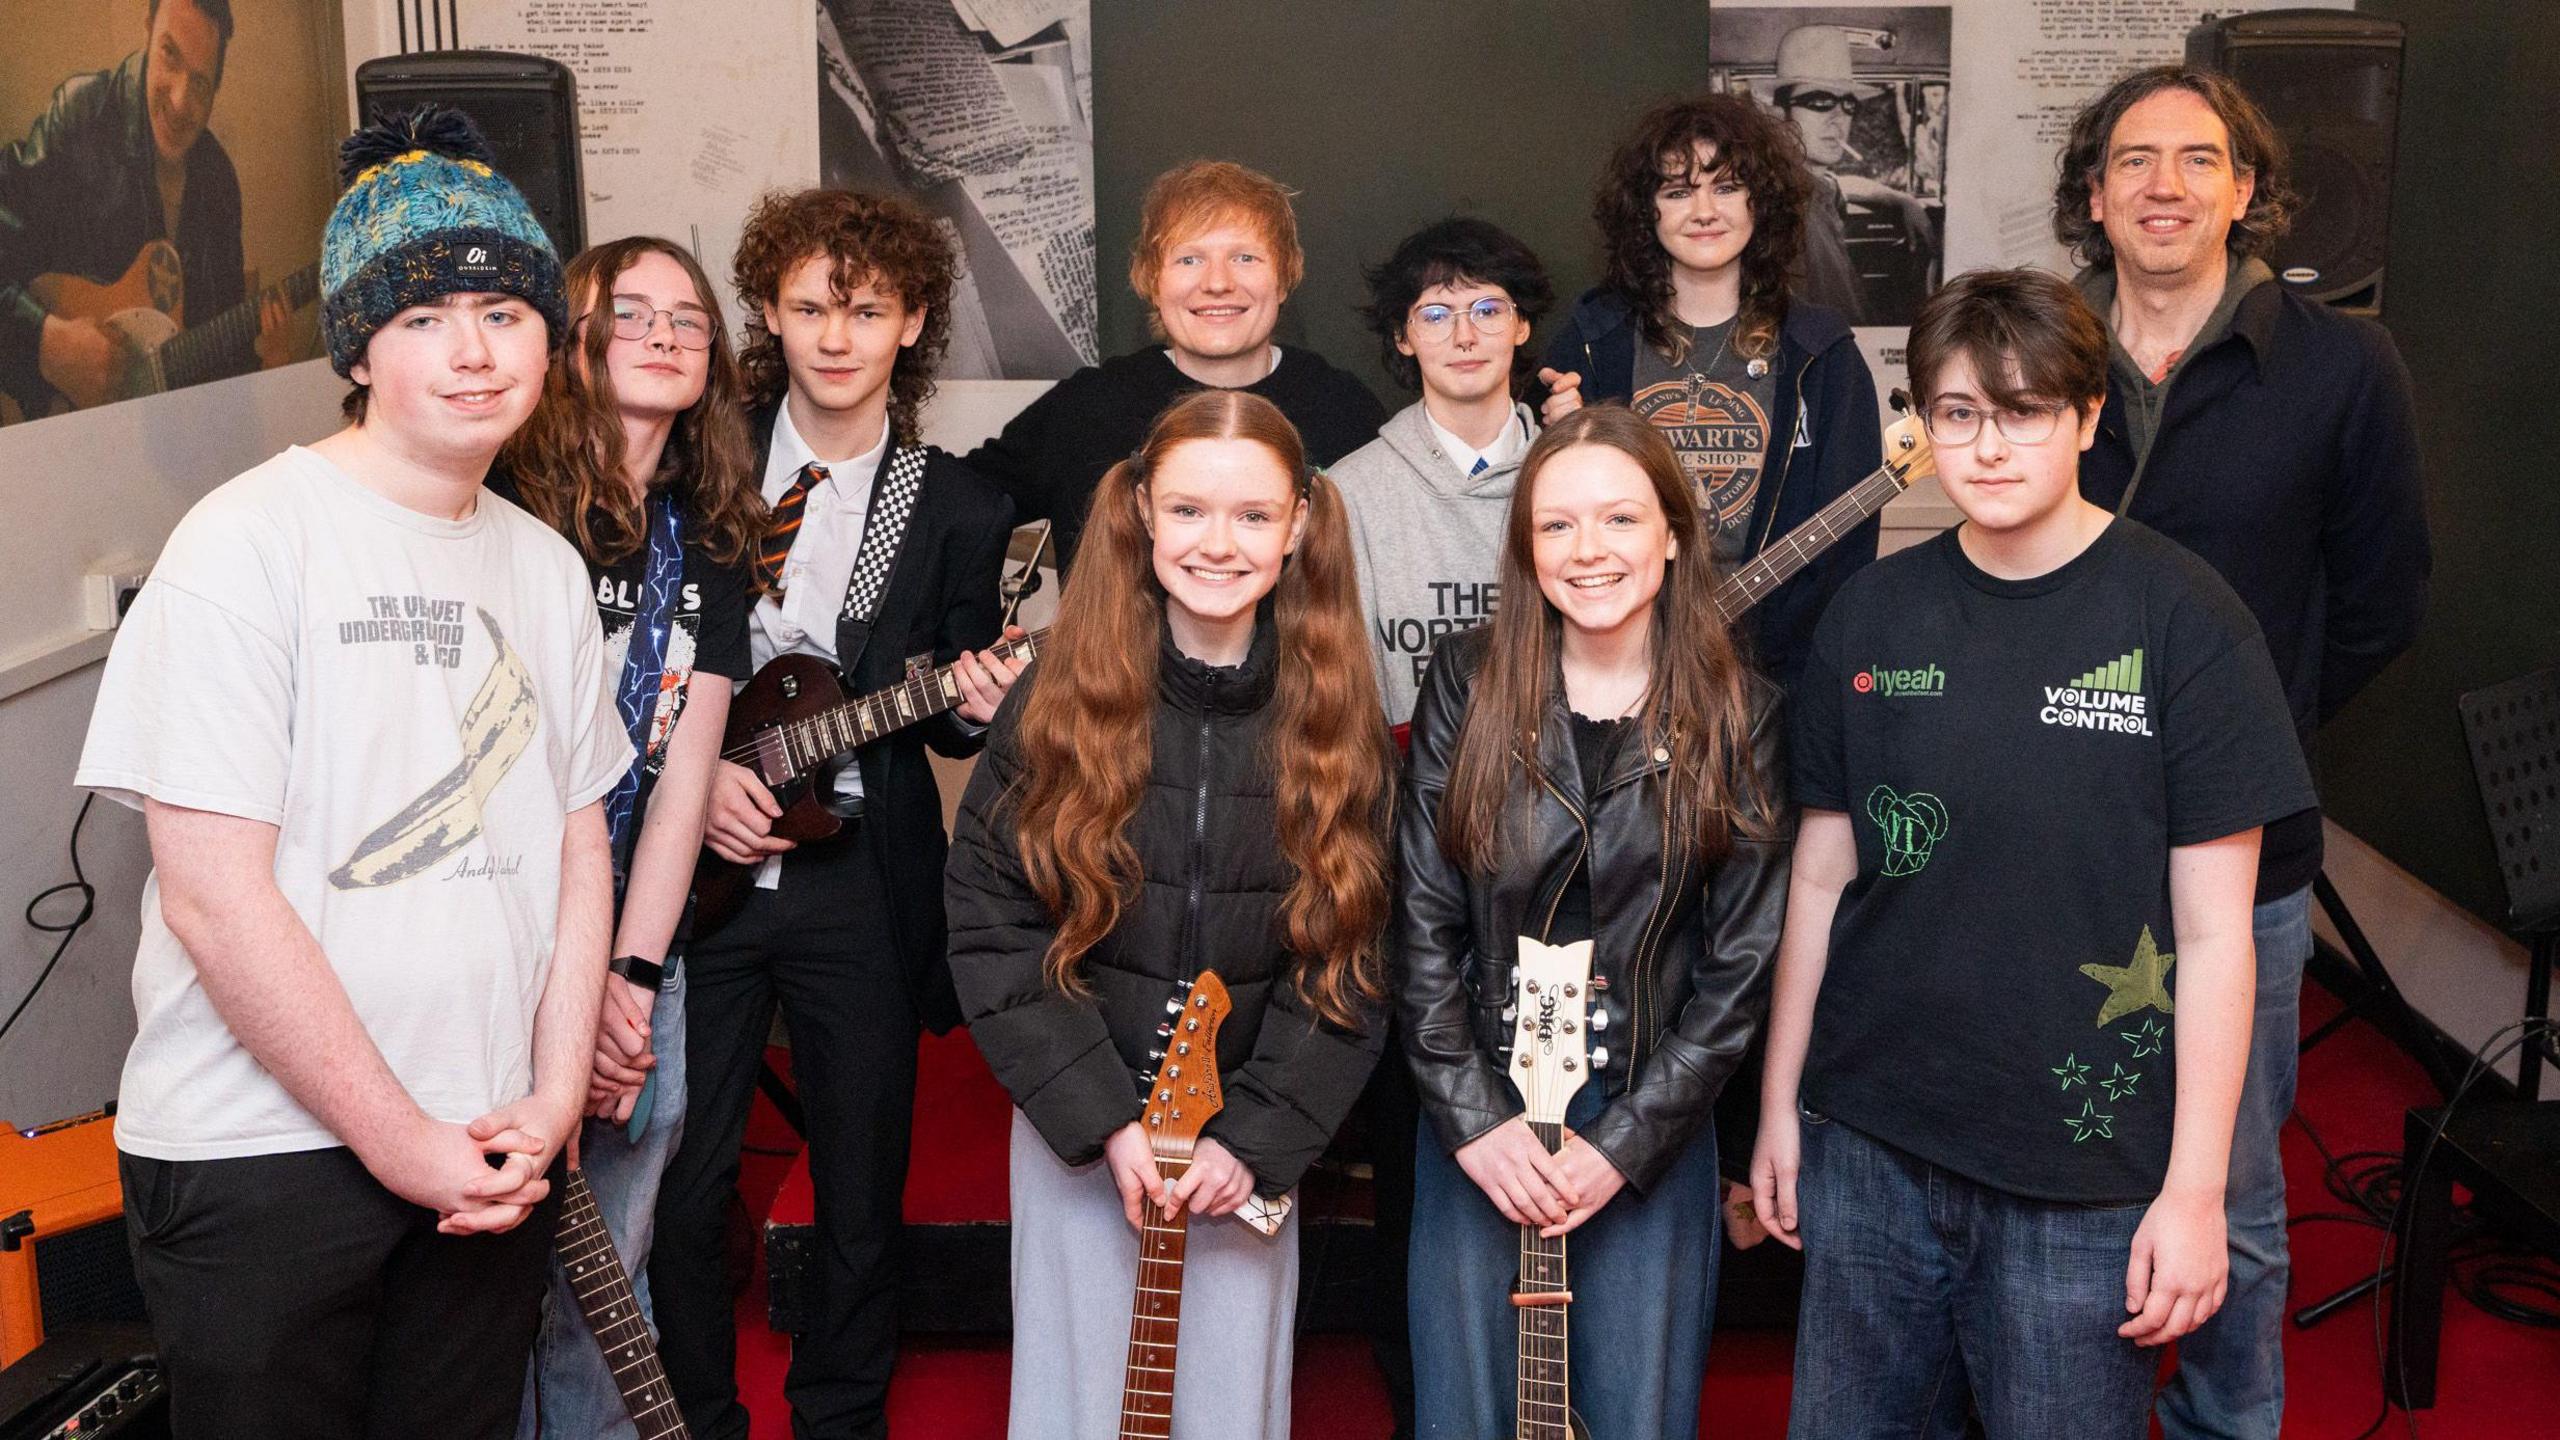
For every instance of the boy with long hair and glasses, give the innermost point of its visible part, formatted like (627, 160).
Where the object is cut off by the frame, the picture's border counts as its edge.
(1216, 256)
(638, 454)
(849, 295)
(2012, 1011)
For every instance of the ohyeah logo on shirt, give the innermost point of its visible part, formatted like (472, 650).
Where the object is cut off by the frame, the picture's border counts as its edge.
(1899, 684)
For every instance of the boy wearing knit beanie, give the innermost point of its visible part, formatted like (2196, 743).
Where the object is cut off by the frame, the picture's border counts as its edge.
(362, 708)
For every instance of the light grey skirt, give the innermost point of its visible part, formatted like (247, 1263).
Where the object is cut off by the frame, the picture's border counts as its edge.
(1075, 1271)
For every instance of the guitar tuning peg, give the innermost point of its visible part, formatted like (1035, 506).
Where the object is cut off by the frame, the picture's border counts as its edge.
(1599, 1057)
(1155, 1057)
(1599, 984)
(1510, 1013)
(1165, 1031)
(1173, 1006)
(1599, 1019)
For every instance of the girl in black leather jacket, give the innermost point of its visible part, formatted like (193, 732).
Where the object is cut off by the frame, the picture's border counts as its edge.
(1193, 776)
(1595, 765)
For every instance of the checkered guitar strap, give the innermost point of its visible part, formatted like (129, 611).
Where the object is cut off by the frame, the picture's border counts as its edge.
(895, 500)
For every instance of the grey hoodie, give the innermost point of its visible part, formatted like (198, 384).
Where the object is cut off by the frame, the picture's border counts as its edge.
(1428, 542)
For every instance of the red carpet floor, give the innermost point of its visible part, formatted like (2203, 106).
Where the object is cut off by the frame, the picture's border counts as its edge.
(2498, 1381)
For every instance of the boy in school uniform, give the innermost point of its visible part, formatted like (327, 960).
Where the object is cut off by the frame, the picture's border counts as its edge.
(2013, 999)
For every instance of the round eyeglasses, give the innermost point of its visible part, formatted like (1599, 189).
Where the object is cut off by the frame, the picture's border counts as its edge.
(632, 321)
(1956, 423)
(1439, 321)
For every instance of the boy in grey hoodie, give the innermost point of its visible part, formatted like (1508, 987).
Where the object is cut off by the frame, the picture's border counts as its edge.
(1452, 308)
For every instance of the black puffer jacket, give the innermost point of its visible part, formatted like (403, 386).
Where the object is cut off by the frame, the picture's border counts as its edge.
(1214, 879)
(1686, 955)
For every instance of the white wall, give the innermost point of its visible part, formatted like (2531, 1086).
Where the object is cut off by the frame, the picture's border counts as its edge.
(91, 488)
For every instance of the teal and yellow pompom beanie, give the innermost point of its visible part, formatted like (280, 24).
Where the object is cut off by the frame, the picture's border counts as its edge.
(424, 215)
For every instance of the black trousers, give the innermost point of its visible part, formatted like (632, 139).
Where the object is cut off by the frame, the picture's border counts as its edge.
(293, 1298)
(819, 947)
(1393, 1110)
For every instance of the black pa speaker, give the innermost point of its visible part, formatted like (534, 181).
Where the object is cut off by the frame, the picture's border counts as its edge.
(2330, 82)
(526, 106)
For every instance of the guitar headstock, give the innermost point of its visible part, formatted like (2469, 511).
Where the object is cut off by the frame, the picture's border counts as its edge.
(1907, 456)
(1183, 1093)
(1551, 1006)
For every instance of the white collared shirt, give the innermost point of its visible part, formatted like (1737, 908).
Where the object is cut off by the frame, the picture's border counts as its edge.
(801, 619)
(1508, 446)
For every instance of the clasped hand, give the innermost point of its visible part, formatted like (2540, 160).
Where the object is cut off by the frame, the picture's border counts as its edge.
(1555, 1191)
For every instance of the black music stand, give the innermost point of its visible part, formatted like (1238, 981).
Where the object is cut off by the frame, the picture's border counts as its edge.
(2506, 1152)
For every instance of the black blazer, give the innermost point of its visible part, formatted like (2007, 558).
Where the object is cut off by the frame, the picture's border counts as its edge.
(941, 599)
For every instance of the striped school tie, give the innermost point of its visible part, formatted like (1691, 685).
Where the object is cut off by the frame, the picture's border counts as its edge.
(784, 527)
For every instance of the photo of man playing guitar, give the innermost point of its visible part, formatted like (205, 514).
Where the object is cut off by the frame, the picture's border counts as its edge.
(880, 554)
(120, 232)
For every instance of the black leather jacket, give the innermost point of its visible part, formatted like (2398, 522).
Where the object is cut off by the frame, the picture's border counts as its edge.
(1686, 955)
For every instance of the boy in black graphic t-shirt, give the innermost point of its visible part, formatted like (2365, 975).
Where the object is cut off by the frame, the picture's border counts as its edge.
(2013, 1000)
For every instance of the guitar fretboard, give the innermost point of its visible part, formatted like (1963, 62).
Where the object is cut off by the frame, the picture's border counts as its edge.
(807, 744)
(1545, 1397)
(1773, 567)
(1155, 1318)
(613, 1314)
(194, 353)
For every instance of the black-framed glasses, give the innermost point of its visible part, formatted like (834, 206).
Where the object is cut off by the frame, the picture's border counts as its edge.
(1438, 321)
(1822, 104)
(1955, 422)
(633, 321)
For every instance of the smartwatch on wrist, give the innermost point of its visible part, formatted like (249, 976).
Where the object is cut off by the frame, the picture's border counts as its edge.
(647, 974)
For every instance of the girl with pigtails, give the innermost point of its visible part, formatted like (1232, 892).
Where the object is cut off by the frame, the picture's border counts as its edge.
(1192, 777)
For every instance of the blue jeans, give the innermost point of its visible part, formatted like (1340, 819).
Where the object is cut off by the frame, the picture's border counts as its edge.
(569, 1393)
(2230, 1380)
(1644, 1286)
(1916, 1278)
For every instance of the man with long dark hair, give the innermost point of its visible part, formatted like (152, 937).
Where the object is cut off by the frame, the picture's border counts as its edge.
(850, 295)
(2274, 437)
(1764, 397)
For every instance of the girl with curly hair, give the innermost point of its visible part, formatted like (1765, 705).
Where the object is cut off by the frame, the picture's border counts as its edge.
(1194, 776)
(1764, 396)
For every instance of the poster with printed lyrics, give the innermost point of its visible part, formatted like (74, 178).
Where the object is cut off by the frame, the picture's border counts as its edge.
(981, 111)
(165, 169)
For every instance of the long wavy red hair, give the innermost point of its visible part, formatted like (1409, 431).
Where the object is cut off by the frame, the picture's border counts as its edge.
(1085, 729)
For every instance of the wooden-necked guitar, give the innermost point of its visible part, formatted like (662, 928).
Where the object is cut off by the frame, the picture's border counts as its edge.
(1181, 1097)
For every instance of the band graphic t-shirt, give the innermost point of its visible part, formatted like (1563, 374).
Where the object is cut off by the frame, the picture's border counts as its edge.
(1715, 412)
(417, 705)
(707, 633)
(2017, 759)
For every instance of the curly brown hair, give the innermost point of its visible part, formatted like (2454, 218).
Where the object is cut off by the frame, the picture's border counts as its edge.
(567, 458)
(1751, 145)
(884, 241)
(2256, 151)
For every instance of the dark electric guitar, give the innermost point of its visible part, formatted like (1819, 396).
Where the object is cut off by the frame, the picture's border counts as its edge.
(613, 1314)
(144, 309)
(1551, 996)
(794, 728)
(1181, 1096)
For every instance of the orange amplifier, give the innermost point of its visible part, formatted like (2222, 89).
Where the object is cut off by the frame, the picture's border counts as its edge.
(55, 1180)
